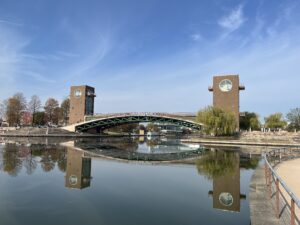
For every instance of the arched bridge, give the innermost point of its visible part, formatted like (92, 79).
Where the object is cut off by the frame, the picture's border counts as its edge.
(105, 121)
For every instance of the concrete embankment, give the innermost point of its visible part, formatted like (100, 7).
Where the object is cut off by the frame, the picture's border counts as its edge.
(255, 138)
(216, 142)
(45, 132)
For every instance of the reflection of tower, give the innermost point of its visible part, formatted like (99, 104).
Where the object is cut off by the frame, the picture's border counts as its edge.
(226, 189)
(81, 103)
(78, 173)
(226, 94)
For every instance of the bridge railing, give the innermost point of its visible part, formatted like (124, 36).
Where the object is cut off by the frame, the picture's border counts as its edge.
(286, 202)
(182, 114)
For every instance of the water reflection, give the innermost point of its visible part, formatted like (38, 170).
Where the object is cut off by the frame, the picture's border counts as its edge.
(78, 174)
(14, 157)
(224, 169)
(168, 191)
(140, 149)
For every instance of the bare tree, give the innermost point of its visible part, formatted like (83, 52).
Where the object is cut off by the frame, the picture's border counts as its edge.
(65, 110)
(3, 106)
(33, 106)
(14, 109)
(52, 110)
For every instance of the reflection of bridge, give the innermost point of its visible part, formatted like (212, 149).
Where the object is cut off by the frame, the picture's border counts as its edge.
(104, 121)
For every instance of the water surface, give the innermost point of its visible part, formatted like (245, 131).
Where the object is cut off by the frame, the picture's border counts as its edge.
(51, 184)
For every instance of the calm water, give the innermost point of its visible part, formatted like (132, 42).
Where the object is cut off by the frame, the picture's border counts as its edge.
(51, 184)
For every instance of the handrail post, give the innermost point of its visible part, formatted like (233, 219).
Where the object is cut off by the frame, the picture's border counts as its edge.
(277, 198)
(293, 212)
(270, 182)
(266, 173)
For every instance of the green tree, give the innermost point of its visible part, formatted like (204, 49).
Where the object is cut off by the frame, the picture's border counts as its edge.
(250, 121)
(275, 121)
(216, 121)
(39, 118)
(65, 110)
(294, 118)
(52, 111)
(124, 128)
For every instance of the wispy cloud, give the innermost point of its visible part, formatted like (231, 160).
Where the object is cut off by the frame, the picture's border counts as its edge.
(8, 22)
(38, 77)
(233, 20)
(196, 37)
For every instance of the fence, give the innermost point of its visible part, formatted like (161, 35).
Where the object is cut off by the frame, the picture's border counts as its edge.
(285, 201)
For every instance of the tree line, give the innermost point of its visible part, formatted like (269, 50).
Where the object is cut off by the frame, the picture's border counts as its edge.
(16, 111)
(218, 122)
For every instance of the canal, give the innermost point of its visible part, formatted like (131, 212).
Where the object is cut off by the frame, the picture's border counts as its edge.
(123, 181)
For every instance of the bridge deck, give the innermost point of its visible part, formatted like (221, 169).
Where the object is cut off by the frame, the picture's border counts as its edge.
(103, 121)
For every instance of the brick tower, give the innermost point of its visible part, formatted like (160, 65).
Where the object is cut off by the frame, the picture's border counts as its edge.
(226, 94)
(81, 103)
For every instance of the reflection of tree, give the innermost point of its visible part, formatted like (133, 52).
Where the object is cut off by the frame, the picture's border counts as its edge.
(217, 163)
(14, 157)
(62, 160)
(249, 163)
(47, 163)
(12, 164)
(30, 164)
(153, 142)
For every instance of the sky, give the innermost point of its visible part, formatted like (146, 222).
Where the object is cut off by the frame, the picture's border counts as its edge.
(152, 55)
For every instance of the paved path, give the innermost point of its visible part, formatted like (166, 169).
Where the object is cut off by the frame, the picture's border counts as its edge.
(289, 171)
(261, 209)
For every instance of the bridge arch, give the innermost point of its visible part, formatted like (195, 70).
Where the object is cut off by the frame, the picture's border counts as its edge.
(104, 123)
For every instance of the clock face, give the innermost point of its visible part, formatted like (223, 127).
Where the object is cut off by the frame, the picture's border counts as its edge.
(77, 93)
(73, 180)
(226, 199)
(225, 85)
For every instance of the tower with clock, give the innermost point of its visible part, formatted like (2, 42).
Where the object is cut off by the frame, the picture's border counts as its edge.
(226, 94)
(81, 103)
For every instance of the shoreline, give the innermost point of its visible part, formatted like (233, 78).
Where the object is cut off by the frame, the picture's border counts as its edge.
(239, 143)
(204, 141)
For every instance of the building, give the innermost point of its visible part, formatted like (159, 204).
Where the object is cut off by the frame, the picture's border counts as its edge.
(226, 94)
(81, 103)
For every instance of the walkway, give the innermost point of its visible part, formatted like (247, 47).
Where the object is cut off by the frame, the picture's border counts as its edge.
(261, 209)
(289, 171)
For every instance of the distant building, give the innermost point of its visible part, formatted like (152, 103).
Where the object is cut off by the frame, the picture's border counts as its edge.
(81, 103)
(26, 118)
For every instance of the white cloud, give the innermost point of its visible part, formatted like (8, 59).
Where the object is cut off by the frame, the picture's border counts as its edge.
(234, 20)
(196, 37)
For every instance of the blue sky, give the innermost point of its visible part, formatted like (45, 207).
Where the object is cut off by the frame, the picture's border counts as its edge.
(152, 55)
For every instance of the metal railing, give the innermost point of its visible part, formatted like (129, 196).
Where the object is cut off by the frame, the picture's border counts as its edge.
(278, 190)
(178, 114)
